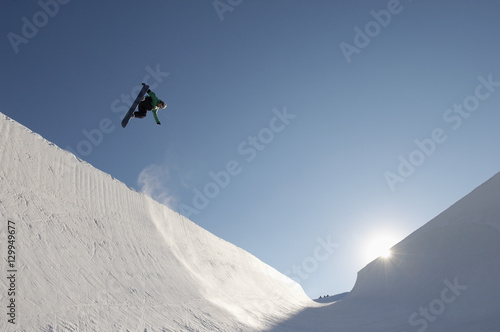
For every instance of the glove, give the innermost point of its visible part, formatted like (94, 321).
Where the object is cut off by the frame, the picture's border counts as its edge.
(158, 123)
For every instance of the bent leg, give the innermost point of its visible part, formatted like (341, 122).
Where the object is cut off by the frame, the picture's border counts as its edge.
(140, 114)
(142, 110)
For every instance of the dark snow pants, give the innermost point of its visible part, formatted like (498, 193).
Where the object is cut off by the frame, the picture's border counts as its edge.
(144, 106)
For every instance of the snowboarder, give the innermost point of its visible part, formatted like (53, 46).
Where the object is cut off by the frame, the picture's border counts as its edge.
(150, 103)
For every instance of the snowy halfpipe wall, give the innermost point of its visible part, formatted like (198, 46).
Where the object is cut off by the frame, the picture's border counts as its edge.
(93, 255)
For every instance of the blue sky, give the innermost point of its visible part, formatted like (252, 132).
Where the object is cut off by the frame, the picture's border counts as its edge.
(308, 139)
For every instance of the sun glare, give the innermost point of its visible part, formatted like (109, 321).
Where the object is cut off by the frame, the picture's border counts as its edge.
(385, 253)
(379, 246)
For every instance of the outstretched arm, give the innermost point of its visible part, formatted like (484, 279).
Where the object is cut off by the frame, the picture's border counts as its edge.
(155, 111)
(154, 101)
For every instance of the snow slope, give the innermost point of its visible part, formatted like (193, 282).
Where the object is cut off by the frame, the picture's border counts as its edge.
(94, 255)
(443, 277)
(461, 247)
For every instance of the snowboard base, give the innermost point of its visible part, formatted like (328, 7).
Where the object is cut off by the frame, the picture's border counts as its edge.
(136, 102)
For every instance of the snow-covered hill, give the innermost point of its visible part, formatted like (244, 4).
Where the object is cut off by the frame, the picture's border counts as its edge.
(94, 255)
(443, 277)
(445, 274)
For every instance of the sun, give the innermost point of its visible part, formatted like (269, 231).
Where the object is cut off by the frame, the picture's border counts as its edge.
(379, 246)
(385, 253)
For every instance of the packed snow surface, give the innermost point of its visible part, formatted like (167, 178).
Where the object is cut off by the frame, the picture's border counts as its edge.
(94, 255)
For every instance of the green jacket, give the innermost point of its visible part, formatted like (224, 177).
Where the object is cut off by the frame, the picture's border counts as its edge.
(154, 102)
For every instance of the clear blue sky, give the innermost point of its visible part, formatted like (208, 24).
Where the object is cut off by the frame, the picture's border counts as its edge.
(305, 191)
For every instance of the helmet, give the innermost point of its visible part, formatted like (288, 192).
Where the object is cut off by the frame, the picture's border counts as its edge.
(162, 102)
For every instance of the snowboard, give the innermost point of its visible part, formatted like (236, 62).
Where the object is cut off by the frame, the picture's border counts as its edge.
(136, 102)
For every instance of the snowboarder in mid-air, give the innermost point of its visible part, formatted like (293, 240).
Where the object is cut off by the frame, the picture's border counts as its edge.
(150, 103)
